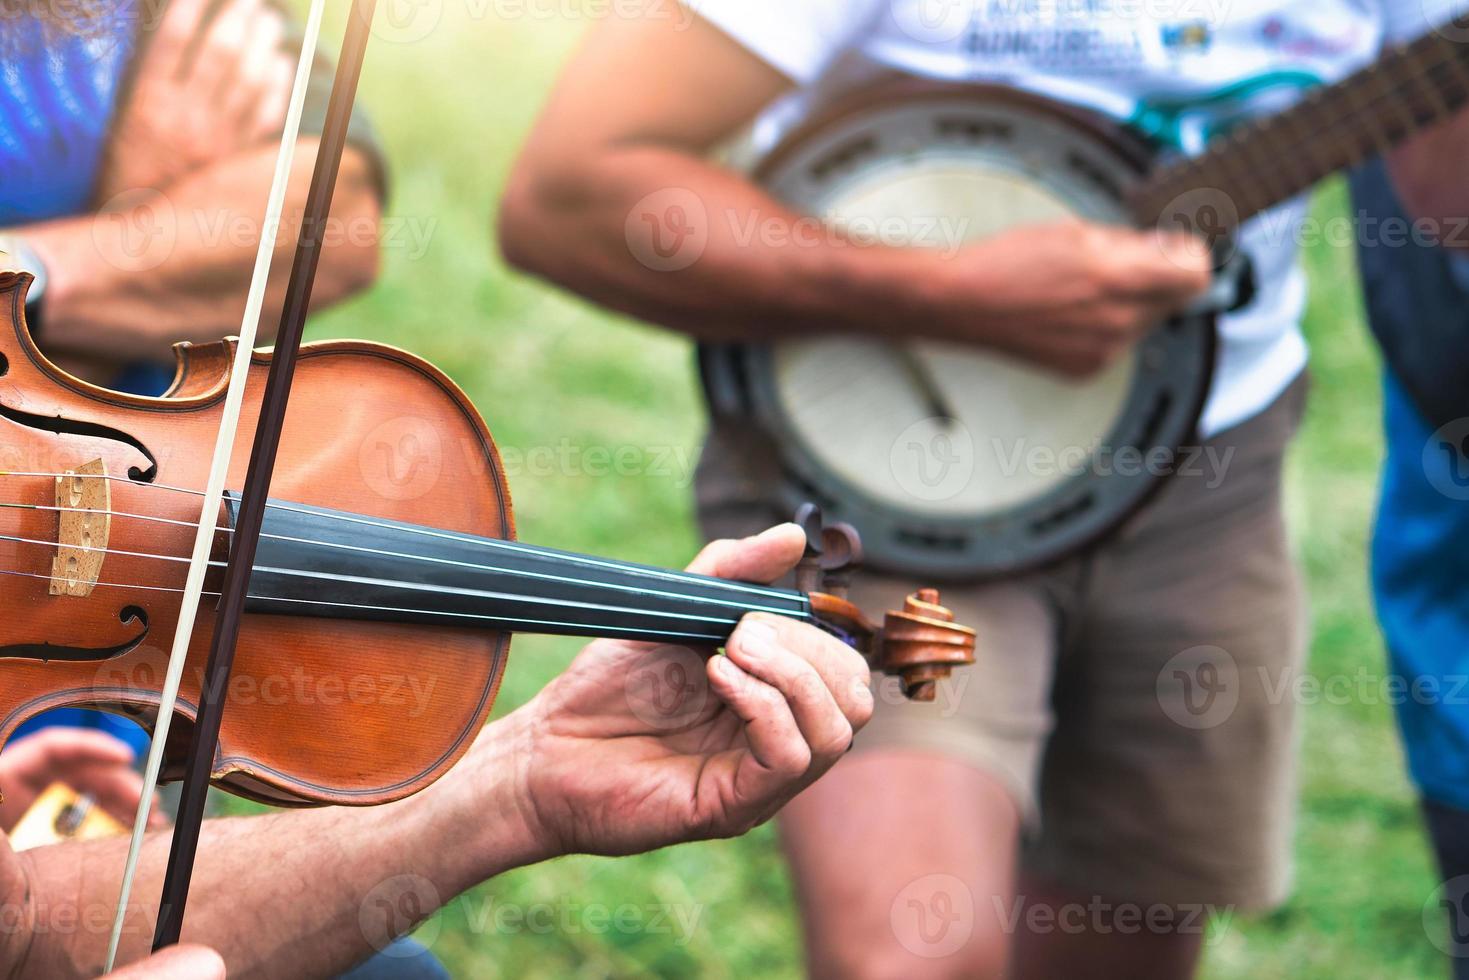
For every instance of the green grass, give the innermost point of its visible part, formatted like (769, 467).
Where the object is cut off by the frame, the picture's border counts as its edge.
(548, 371)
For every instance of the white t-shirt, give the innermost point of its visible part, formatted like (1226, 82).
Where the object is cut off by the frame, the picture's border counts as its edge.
(1178, 69)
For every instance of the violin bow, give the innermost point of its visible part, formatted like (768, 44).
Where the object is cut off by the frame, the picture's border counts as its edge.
(200, 760)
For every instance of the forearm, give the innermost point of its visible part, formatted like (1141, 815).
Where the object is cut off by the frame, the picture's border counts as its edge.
(288, 894)
(763, 271)
(130, 283)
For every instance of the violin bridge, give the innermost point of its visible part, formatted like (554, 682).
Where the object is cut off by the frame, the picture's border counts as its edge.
(84, 502)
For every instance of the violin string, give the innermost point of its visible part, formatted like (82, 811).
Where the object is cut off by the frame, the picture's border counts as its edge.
(417, 587)
(358, 607)
(469, 566)
(379, 553)
(490, 544)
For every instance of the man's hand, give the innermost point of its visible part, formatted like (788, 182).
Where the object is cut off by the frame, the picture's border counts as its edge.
(639, 746)
(91, 762)
(199, 99)
(1071, 296)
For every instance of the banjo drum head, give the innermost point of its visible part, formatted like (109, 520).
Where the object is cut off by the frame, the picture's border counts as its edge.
(950, 459)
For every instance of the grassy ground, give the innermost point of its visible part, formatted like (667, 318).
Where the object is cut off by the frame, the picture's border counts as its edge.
(554, 376)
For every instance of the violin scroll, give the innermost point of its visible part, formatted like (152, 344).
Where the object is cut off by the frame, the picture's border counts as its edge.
(920, 644)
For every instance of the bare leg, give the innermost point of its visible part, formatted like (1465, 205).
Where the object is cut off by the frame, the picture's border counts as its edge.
(905, 865)
(1084, 936)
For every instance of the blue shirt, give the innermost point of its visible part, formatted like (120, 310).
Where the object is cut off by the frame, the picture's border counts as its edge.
(58, 95)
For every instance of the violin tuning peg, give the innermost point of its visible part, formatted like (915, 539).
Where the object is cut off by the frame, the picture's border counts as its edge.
(809, 569)
(840, 558)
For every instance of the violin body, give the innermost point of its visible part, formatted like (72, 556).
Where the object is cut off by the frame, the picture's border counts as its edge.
(319, 711)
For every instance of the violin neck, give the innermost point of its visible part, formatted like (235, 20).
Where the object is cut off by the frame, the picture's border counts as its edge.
(330, 564)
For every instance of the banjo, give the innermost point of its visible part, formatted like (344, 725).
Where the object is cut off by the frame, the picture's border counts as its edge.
(959, 462)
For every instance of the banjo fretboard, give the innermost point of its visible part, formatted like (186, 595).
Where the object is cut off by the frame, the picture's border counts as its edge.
(1266, 162)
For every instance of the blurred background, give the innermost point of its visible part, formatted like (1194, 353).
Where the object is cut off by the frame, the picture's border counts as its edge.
(452, 86)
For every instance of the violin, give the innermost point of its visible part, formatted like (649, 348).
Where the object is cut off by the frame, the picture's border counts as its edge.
(386, 585)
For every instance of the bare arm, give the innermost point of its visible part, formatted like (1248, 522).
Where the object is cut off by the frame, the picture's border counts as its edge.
(131, 281)
(277, 895)
(591, 765)
(611, 166)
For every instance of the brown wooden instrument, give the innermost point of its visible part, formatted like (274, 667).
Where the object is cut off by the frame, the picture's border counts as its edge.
(386, 584)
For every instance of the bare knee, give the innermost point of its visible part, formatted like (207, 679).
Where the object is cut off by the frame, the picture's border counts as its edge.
(881, 901)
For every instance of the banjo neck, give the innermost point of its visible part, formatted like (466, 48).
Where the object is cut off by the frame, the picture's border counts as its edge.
(1268, 161)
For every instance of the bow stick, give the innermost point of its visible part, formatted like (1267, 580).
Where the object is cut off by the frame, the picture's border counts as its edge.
(200, 764)
(246, 537)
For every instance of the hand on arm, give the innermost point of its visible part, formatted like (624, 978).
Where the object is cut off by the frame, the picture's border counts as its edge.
(606, 163)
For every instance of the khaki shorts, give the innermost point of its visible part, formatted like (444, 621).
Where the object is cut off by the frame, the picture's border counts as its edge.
(1131, 697)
